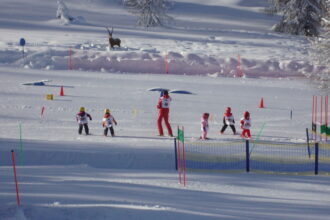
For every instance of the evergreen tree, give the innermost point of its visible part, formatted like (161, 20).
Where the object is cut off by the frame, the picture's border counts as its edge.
(320, 53)
(276, 6)
(150, 13)
(301, 17)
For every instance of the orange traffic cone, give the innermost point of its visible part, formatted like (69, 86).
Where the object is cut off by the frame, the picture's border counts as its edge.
(61, 91)
(261, 104)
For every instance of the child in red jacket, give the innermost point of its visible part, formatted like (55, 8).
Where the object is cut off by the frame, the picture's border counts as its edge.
(245, 125)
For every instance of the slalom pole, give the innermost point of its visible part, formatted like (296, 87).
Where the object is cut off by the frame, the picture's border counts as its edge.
(70, 59)
(239, 71)
(321, 116)
(175, 154)
(15, 178)
(313, 104)
(184, 161)
(326, 117)
(22, 43)
(42, 112)
(308, 147)
(179, 159)
(21, 152)
(166, 63)
(258, 136)
(23, 54)
(315, 118)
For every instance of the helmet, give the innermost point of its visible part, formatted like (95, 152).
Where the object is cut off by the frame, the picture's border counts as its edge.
(246, 114)
(106, 111)
(165, 92)
(206, 115)
(228, 109)
(82, 109)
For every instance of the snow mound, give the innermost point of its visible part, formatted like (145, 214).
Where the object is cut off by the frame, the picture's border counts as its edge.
(91, 57)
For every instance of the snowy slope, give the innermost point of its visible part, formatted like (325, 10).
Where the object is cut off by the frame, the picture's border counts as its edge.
(66, 176)
(205, 38)
(63, 175)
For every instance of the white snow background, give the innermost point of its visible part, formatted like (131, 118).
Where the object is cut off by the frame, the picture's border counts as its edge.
(132, 176)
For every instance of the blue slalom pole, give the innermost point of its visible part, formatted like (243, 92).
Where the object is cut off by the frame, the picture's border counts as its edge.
(308, 147)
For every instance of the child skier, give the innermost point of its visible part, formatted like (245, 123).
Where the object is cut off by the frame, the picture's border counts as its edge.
(228, 120)
(204, 126)
(82, 120)
(108, 121)
(245, 125)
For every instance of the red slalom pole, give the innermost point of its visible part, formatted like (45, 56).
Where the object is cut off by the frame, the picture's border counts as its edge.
(166, 64)
(326, 117)
(313, 104)
(15, 177)
(321, 118)
(238, 67)
(316, 103)
(70, 59)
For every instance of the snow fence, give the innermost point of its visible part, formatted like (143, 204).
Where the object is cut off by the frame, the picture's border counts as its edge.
(255, 156)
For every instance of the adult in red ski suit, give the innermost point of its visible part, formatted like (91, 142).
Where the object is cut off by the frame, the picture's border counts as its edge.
(163, 113)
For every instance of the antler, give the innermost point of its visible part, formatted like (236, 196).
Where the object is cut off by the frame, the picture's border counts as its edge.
(109, 30)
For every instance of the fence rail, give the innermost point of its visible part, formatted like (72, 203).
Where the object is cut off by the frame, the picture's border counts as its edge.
(257, 156)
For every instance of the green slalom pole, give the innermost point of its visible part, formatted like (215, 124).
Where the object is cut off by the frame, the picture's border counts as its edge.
(258, 136)
(21, 152)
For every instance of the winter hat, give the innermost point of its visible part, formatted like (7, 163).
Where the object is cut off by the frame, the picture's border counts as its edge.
(228, 109)
(246, 114)
(82, 109)
(206, 115)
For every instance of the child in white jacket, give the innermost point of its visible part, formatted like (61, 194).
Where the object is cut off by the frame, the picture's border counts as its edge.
(107, 122)
(204, 125)
(246, 125)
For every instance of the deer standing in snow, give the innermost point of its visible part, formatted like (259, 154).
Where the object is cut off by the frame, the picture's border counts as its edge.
(113, 41)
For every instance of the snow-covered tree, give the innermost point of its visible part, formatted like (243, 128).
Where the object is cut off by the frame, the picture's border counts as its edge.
(301, 17)
(150, 13)
(320, 53)
(63, 12)
(276, 6)
(131, 4)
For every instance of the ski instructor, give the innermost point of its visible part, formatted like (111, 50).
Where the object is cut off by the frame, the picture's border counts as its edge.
(163, 113)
